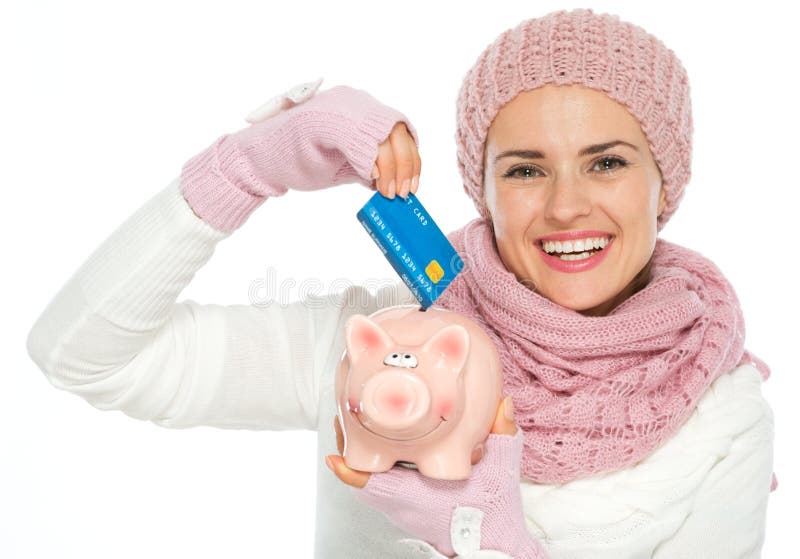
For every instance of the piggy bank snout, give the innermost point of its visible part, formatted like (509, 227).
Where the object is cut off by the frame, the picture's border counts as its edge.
(395, 399)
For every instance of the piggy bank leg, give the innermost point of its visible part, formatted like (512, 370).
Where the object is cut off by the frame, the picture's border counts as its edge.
(359, 454)
(452, 462)
(358, 457)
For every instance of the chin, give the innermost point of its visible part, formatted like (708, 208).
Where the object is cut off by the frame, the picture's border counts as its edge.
(576, 301)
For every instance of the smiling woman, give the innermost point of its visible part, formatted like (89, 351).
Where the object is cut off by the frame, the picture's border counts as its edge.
(609, 192)
(574, 139)
(642, 428)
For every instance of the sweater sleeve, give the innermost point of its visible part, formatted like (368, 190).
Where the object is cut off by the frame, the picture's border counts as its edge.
(115, 335)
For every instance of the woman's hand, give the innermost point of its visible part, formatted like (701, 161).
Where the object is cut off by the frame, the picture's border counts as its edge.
(337, 136)
(435, 510)
(397, 168)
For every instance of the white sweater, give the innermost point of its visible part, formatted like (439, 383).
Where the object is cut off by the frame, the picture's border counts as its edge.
(115, 335)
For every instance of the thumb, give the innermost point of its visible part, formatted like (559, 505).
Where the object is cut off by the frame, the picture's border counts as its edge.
(504, 418)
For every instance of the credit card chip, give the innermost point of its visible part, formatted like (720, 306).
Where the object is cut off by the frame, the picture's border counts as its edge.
(434, 271)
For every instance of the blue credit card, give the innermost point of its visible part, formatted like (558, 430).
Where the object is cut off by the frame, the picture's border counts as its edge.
(412, 243)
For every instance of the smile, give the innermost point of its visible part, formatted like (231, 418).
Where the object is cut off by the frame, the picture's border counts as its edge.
(574, 247)
(356, 415)
(575, 261)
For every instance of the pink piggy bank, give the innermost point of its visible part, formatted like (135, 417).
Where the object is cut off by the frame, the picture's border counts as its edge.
(416, 386)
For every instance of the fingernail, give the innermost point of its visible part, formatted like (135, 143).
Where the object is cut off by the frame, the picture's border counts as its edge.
(508, 408)
(406, 187)
(414, 184)
(329, 462)
(375, 172)
(391, 189)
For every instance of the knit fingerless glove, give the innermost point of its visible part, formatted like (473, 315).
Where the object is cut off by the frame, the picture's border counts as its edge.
(438, 511)
(330, 139)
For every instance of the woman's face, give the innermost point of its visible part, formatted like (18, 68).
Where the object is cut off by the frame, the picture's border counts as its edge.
(553, 167)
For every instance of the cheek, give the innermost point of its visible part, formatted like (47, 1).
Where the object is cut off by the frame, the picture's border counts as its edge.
(649, 187)
(632, 205)
(445, 408)
(515, 210)
(634, 210)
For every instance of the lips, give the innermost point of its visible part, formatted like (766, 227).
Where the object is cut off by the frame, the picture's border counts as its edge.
(574, 266)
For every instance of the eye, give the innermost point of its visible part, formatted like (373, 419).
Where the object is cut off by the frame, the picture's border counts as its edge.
(525, 168)
(409, 360)
(393, 359)
(400, 360)
(609, 164)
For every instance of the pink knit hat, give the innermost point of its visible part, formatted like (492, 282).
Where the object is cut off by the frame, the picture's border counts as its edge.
(594, 50)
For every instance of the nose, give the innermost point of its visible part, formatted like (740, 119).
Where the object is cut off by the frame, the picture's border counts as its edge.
(567, 199)
(395, 399)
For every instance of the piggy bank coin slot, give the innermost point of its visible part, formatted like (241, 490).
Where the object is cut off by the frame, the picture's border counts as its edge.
(404, 464)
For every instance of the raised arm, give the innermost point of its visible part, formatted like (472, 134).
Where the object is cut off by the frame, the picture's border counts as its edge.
(115, 335)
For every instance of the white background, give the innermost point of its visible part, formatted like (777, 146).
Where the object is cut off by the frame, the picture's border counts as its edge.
(103, 102)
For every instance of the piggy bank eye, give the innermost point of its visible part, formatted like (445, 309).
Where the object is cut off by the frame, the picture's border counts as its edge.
(392, 359)
(408, 360)
(401, 360)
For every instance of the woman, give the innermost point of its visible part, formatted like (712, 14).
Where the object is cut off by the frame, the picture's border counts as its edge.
(607, 358)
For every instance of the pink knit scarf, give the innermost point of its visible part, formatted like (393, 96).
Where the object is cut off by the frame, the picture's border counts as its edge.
(597, 394)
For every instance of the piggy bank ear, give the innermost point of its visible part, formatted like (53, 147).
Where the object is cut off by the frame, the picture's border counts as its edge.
(363, 336)
(450, 346)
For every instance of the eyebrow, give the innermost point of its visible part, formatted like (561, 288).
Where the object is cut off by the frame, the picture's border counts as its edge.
(588, 150)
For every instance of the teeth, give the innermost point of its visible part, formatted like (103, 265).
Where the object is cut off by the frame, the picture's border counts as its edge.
(577, 246)
(580, 256)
